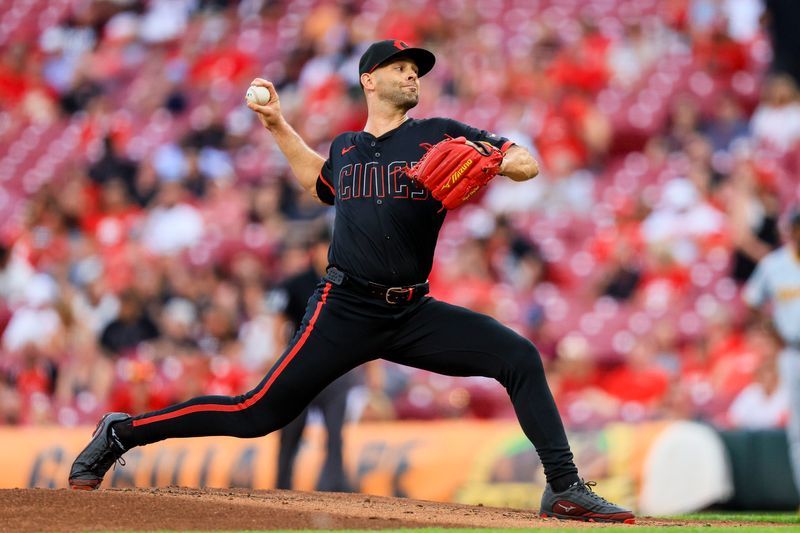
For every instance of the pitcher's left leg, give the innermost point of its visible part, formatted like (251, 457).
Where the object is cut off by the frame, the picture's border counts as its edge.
(455, 341)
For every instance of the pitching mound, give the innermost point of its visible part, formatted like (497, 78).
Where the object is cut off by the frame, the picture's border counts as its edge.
(182, 509)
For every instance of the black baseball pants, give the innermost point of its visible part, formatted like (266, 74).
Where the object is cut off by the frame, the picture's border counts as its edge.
(343, 329)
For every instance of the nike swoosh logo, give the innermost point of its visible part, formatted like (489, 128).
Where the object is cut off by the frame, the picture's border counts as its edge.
(345, 150)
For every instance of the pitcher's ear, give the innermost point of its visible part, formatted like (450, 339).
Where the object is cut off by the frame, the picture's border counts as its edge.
(367, 81)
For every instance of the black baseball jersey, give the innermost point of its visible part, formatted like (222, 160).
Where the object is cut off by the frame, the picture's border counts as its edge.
(386, 224)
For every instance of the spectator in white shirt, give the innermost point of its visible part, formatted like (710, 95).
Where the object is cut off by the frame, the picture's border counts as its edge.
(682, 219)
(776, 121)
(36, 322)
(762, 404)
(15, 273)
(173, 224)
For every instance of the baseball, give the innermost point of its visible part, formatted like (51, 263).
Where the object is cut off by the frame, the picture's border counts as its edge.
(258, 95)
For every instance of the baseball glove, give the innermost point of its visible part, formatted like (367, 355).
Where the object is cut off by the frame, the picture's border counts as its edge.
(455, 169)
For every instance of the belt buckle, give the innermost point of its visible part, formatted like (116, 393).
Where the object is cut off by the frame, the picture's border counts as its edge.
(395, 290)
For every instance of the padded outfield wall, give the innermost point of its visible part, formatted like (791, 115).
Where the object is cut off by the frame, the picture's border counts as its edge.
(658, 468)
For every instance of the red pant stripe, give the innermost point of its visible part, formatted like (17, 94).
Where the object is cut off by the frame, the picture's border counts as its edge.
(256, 397)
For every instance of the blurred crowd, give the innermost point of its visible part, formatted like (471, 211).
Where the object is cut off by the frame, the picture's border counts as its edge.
(145, 216)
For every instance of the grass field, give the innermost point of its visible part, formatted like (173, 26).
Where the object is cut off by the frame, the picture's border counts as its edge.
(783, 518)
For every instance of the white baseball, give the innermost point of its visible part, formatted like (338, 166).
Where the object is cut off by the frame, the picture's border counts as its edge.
(257, 94)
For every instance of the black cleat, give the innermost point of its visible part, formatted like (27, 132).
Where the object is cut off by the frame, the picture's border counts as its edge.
(98, 456)
(580, 502)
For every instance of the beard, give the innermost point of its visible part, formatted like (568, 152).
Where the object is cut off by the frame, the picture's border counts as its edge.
(400, 98)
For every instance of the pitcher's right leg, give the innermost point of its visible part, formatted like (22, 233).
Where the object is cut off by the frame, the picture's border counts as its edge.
(321, 351)
(302, 371)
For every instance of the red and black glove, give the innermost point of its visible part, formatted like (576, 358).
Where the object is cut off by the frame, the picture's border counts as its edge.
(455, 169)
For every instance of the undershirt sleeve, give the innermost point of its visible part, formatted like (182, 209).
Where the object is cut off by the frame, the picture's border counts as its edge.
(325, 190)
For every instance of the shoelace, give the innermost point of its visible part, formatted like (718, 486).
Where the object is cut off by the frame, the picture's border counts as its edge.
(588, 486)
(120, 449)
(116, 442)
(103, 457)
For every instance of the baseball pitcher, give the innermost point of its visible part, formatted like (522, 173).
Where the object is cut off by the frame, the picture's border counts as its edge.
(392, 185)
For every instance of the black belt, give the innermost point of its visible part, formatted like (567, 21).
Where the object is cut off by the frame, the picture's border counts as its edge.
(392, 295)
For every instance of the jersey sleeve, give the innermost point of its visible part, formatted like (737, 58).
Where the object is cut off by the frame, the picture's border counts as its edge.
(756, 290)
(459, 129)
(325, 190)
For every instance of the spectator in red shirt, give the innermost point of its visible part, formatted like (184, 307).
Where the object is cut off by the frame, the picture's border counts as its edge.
(577, 385)
(582, 66)
(116, 217)
(139, 387)
(13, 84)
(640, 385)
(718, 54)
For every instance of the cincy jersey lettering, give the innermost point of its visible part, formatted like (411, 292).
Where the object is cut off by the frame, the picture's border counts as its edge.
(373, 179)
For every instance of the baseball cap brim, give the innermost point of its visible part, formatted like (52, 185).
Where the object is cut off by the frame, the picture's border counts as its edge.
(382, 52)
(423, 59)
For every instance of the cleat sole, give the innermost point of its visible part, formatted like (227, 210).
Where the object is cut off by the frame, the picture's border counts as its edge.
(84, 484)
(587, 518)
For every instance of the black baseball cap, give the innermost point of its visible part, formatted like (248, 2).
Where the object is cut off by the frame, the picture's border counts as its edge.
(380, 52)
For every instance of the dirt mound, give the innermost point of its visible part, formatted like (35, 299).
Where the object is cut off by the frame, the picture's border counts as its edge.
(181, 509)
